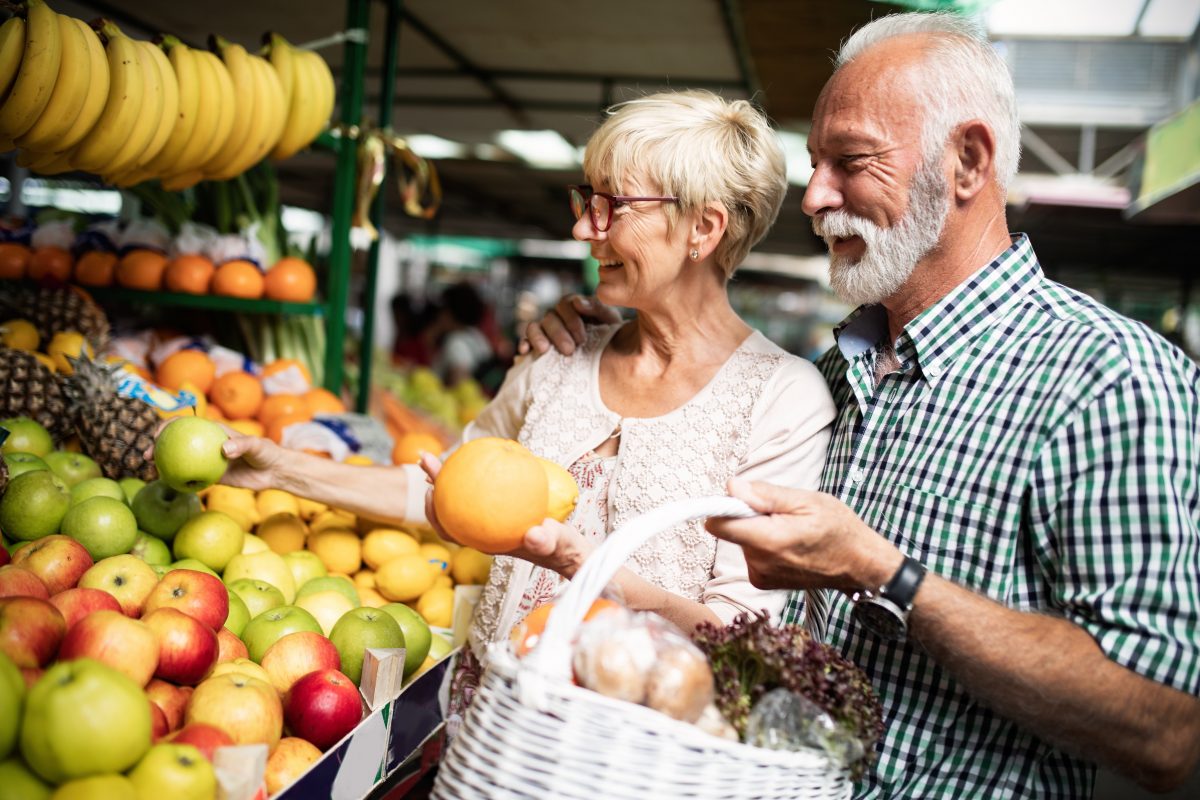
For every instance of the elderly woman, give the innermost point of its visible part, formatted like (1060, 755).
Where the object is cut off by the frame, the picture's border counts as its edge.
(667, 406)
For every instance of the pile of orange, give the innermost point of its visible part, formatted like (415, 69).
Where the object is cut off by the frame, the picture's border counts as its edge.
(14, 260)
(291, 280)
(190, 274)
(50, 264)
(237, 394)
(96, 268)
(186, 366)
(142, 269)
(238, 279)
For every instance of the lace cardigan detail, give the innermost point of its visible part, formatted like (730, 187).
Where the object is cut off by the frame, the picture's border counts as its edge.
(689, 452)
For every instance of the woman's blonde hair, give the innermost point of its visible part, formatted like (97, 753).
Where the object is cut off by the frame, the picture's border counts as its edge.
(700, 148)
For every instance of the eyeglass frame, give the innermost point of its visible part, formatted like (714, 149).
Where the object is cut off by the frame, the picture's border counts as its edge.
(587, 192)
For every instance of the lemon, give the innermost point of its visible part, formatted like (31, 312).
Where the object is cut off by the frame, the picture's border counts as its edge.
(334, 518)
(405, 578)
(283, 532)
(564, 492)
(444, 581)
(358, 460)
(371, 598)
(309, 509)
(19, 334)
(277, 501)
(339, 549)
(47, 361)
(67, 343)
(470, 566)
(364, 578)
(437, 607)
(383, 544)
(438, 555)
(233, 501)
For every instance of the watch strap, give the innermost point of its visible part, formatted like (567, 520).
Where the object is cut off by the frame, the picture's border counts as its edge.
(902, 588)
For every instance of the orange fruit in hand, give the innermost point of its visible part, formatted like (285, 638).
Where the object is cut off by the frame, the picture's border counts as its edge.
(190, 366)
(238, 394)
(291, 280)
(409, 447)
(14, 260)
(142, 269)
(96, 268)
(190, 274)
(322, 401)
(50, 263)
(238, 279)
(278, 423)
(278, 405)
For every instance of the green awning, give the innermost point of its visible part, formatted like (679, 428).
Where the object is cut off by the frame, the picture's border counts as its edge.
(1169, 189)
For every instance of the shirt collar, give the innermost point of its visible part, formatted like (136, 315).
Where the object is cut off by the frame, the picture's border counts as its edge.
(939, 333)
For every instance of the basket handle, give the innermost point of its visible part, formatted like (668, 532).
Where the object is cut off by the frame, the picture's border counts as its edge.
(552, 656)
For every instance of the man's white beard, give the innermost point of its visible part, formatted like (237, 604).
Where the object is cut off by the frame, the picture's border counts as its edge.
(891, 254)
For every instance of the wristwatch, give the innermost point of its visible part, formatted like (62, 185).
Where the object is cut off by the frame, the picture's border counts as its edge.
(885, 613)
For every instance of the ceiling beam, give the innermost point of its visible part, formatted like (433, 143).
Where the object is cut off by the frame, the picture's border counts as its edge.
(557, 76)
(735, 29)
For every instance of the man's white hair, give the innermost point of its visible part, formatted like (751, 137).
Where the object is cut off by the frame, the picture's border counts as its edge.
(964, 78)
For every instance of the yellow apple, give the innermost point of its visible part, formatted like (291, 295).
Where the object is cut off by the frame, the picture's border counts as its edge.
(264, 566)
(327, 607)
(246, 708)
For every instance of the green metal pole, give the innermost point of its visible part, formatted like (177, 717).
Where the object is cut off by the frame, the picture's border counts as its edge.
(365, 356)
(354, 68)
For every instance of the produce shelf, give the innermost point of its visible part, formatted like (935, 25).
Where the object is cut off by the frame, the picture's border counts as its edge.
(206, 301)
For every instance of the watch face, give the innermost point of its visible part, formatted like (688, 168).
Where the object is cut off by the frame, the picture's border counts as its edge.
(880, 617)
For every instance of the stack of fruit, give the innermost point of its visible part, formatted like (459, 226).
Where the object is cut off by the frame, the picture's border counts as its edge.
(94, 99)
(99, 623)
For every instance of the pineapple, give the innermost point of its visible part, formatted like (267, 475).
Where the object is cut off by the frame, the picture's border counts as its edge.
(29, 389)
(116, 431)
(55, 310)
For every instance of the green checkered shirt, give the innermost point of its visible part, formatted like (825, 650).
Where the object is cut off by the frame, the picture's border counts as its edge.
(1037, 448)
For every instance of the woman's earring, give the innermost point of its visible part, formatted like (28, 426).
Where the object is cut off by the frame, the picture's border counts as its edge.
(695, 254)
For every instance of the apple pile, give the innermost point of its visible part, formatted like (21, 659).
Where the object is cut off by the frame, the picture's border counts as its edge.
(162, 612)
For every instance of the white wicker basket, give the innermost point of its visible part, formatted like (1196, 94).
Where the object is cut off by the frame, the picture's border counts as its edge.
(531, 733)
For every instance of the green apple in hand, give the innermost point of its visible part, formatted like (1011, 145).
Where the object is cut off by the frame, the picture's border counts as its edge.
(210, 537)
(33, 505)
(106, 527)
(417, 636)
(96, 487)
(177, 771)
(25, 436)
(188, 454)
(73, 468)
(271, 626)
(359, 629)
(20, 463)
(161, 510)
(258, 596)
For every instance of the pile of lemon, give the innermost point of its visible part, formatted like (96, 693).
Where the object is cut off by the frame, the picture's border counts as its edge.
(21, 334)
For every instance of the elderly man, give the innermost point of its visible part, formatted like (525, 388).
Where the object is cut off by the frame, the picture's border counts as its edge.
(1011, 502)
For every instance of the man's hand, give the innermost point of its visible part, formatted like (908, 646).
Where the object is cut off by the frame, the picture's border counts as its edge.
(254, 462)
(805, 540)
(563, 327)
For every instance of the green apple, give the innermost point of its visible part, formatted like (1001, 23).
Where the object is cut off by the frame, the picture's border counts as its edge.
(305, 565)
(20, 783)
(188, 453)
(131, 486)
(417, 636)
(161, 511)
(19, 463)
(270, 626)
(328, 583)
(439, 647)
(96, 487)
(265, 566)
(60, 743)
(191, 563)
(34, 505)
(106, 527)
(71, 467)
(210, 537)
(258, 596)
(359, 629)
(160, 569)
(239, 613)
(97, 787)
(253, 544)
(25, 436)
(151, 549)
(177, 771)
(12, 689)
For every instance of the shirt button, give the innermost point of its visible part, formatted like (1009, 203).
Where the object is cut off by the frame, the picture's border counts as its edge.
(857, 474)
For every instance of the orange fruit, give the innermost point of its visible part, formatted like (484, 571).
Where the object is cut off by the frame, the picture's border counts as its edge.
(409, 446)
(322, 401)
(526, 633)
(489, 493)
(291, 280)
(190, 274)
(238, 279)
(14, 260)
(277, 405)
(50, 263)
(191, 366)
(238, 394)
(142, 269)
(277, 424)
(247, 427)
(96, 268)
(213, 413)
(283, 364)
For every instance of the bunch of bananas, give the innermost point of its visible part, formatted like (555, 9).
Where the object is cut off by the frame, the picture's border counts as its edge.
(78, 98)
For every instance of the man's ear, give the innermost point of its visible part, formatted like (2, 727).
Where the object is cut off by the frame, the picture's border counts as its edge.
(975, 159)
(709, 228)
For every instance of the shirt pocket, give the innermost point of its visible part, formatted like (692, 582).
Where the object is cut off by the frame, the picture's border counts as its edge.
(958, 539)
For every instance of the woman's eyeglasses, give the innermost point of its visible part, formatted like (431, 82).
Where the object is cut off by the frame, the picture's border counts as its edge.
(601, 204)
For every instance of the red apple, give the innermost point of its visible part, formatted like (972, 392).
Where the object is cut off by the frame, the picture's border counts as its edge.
(322, 707)
(77, 603)
(289, 761)
(230, 646)
(158, 722)
(202, 736)
(58, 560)
(31, 675)
(246, 708)
(31, 629)
(16, 581)
(171, 699)
(125, 577)
(195, 593)
(296, 655)
(187, 648)
(127, 645)
(4, 556)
